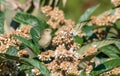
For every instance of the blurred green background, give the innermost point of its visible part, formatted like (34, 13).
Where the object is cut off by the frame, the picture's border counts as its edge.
(75, 8)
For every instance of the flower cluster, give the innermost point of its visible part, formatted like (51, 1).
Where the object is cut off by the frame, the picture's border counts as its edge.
(56, 17)
(64, 34)
(115, 2)
(66, 61)
(63, 59)
(114, 72)
(23, 31)
(64, 37)
(106, 18)
(7, 40)
(46, 56)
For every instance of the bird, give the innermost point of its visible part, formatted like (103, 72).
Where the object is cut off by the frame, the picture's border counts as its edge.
(45, 38)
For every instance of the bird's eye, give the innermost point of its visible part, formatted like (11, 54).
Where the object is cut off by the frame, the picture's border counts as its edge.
(47, 30)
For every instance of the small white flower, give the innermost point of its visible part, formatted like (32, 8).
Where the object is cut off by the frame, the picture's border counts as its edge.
(112, 1)
(94, 46)
(74, 32)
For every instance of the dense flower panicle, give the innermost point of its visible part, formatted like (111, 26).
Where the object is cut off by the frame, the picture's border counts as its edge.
(73, 69)
(63, 60)
(102, 20)
(56, 17)
(64, 37)
(106, 19)
(53, 66)
(45, 56)
(46, 9)
(115, 71)
(63, 41)
(7, 40)
(115, 2)
(23, 31)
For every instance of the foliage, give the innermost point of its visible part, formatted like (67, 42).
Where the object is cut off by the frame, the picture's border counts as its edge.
(38, 65)
(105, 66)
(87, 13)
(94, 43)
(28, 44)
(2, 16)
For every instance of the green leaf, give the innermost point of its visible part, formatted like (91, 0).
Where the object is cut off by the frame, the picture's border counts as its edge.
(4, 56)
(85, 61)
(110, 51)
(3, 2)
(26, 18)
(30, 73)
(38, 24)
(7, 56)
(35, 33)
(78, 40)
(106, 66)
(43, 69)
(87, 13)
(25, 67)
(118, 24)
(28, 44)
(12, 51)
(97, 44)
(118, 45)
(88, 30)
(2, 17)
(83, 73)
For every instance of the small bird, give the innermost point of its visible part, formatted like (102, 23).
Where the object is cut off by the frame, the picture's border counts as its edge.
(45, 38)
